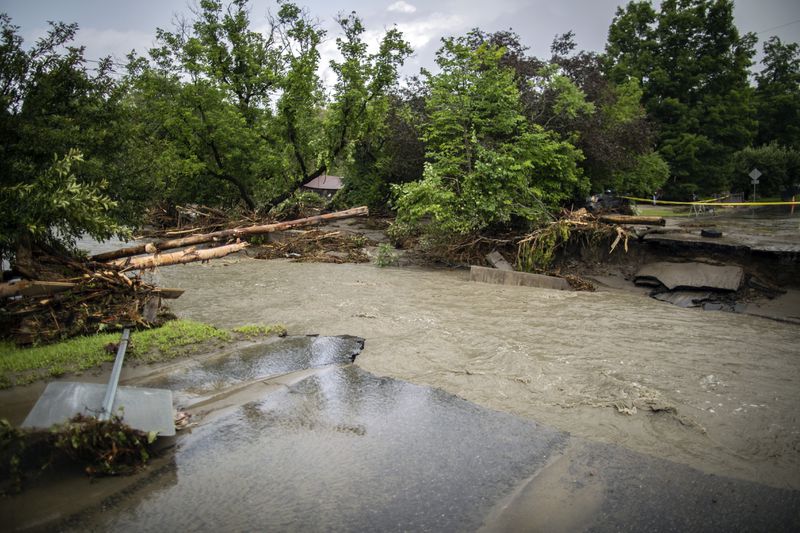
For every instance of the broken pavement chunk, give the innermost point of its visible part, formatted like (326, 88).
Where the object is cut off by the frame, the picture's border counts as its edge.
(498, 261)
(504, 277)
(691, 275)
(684, 298)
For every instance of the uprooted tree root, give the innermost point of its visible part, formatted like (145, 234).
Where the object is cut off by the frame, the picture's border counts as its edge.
(318, 247)
(537, 250)
(100, 301)
(100, 447)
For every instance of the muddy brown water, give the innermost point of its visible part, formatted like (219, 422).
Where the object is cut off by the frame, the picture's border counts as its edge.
(715, 391)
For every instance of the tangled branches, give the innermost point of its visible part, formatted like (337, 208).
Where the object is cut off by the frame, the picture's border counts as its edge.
(537, 250)
(102, 300)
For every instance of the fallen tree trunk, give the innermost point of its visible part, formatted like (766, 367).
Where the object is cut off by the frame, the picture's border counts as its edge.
(33, 288)
(226, 234)
(632, 219)
(177, 258)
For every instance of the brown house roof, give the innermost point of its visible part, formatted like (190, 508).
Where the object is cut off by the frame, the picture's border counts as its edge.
(325, 182)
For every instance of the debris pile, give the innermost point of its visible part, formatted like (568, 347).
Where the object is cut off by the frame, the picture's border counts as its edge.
(178, 220)
(101, 448)
(319, 247)
(98, 301)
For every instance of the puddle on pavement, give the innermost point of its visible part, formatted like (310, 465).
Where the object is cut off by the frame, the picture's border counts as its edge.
(258, 361)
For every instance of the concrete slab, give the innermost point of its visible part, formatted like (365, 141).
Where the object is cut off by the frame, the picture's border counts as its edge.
(504, 277)
(684, 298)
(692, 275)
(498, 261)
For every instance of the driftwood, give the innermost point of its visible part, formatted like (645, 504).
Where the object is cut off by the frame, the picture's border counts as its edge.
(632, 219)
(177, 258)
(33, 288)
(226, 234)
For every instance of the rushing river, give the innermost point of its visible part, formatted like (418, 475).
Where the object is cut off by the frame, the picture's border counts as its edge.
(715, 391)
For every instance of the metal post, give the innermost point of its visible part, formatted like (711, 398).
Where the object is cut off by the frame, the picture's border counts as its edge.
(113, 381)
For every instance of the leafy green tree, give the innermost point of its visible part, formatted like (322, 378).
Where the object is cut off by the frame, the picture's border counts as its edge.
(58, 135)
(488, 166)
(358, 126)
(243, 115)
(779, 166)
(778, 94)
(571, 94)
(390, 153)
(692, 65)
(205, 98)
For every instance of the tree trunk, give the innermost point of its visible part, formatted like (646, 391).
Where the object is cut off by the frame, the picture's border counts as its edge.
(33, 288)
(178, 258)
(23, 258)
(227, 234)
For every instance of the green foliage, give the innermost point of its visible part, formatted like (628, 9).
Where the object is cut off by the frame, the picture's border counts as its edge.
(298, 205)
(391, 153)
(779, 166)
(104, 447)
(647, 176)
(488, 165)
(56, 206)
(778, 94)
(693, 65)
(536, 253)
(59, 133)
(386, 255)
(571, 96)
(12, 451)
(240, 115)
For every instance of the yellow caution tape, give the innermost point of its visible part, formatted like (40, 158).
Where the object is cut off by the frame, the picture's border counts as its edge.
(707, 203)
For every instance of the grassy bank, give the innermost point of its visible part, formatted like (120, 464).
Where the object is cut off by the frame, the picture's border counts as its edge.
(19, 366)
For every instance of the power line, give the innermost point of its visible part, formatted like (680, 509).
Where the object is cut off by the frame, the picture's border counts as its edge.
(777, 27)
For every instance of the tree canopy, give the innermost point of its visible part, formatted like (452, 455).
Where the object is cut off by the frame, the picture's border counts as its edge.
(692, 64)
(58, 126)
(220, 113)
(487, 164)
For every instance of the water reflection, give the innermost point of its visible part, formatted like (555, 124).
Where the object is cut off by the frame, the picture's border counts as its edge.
(344, 450)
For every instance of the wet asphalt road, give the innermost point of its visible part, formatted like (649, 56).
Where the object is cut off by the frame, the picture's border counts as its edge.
(339, 449)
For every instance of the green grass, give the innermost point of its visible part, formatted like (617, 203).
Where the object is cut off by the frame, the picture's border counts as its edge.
(251, 331)
(19, 366)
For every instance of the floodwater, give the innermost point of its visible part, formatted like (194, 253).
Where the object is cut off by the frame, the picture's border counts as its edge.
(715, 391)
(633, 414)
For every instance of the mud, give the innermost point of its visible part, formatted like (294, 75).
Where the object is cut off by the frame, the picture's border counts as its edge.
(716, 391)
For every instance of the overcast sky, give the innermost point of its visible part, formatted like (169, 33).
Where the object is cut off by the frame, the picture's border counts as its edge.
(114, 27)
